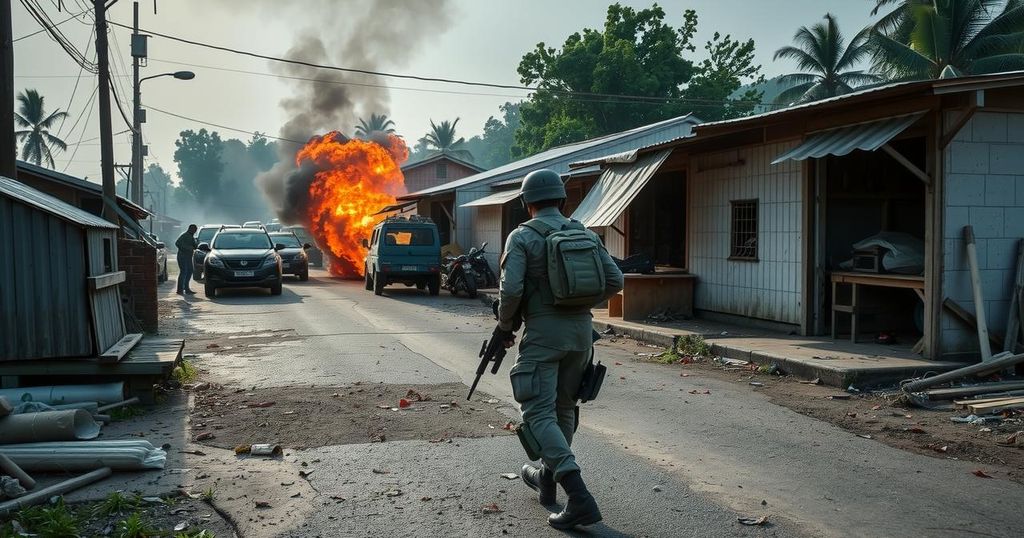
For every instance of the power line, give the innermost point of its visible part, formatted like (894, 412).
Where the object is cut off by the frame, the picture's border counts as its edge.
(422, 78)
(77, 80)
(211, 124)
(40, 16)
(88, 116)
(37, 32)
(82, 113)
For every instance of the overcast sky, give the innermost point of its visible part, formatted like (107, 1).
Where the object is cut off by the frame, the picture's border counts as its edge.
(473, 39)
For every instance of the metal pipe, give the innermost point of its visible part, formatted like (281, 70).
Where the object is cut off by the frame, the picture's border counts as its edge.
(11, 469)
(5, 407)
(66, 425)
(124, 455)
(64, 394)
(975, 369)
(42, 495)
(979, 300)
(108, 407)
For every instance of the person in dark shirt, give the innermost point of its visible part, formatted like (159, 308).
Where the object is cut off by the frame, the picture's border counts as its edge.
(186, 245)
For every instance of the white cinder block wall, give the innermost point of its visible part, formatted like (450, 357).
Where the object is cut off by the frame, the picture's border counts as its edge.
(984, 173)
(770, 288)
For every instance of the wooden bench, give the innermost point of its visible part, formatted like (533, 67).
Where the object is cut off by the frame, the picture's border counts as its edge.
(854, 308)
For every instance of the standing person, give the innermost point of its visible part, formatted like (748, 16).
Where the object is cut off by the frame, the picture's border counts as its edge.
(186, 245)
(557, 340)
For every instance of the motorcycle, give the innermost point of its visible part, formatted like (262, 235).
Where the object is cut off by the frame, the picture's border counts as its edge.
(485, 276)
(457, 275)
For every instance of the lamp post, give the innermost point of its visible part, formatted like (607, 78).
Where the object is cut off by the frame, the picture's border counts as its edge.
(139, 119)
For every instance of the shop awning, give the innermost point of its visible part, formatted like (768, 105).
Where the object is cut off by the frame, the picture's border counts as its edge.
(396, 207)
(865, 136)
(498, 198)
(617, 187)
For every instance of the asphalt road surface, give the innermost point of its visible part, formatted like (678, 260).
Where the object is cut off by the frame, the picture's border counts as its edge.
(660, 461)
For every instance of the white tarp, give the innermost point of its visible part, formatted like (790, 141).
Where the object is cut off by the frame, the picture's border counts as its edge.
(497, 198)
(618, 186)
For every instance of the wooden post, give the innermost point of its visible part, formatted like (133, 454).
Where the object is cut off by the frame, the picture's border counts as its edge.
(8, 144)
(979, 300)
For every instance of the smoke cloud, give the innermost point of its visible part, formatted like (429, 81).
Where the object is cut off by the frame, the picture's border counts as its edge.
(377, 35)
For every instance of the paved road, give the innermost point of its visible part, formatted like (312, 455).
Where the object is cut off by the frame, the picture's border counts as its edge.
(714, 457)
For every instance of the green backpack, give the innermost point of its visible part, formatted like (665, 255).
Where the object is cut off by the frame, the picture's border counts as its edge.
(575, 272)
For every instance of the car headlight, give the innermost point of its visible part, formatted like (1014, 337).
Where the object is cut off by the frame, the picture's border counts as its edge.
(215, 262)
(269, 260)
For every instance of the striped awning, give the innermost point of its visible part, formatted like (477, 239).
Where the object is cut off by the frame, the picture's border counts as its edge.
(498, 198)
(865, 136)
(616, 189)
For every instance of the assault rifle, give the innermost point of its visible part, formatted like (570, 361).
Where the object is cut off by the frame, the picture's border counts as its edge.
(493, 350)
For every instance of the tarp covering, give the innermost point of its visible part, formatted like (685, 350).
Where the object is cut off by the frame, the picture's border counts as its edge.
(396, 207)
(841, 141)
(617, 187)
(497, 198)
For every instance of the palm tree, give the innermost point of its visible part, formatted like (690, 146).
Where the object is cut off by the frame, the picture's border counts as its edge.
(827, 63)
(35, 134)
(377, 123)
(929, 39)
(441, 139)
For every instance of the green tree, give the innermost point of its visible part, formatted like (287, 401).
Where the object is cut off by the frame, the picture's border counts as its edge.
(158, 187)
(826, 61)
(35, 123)
(198, 155)
(948, 38)
(262, 151)
(378, 123)
(713, 91)
(636, 53)
(494, 147)
(442, 139)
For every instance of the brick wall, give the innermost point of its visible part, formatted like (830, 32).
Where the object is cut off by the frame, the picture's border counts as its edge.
(138, 260)
(984, 188)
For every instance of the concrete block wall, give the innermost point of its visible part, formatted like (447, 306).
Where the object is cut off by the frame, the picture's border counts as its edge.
(138, 260)
(984, 187)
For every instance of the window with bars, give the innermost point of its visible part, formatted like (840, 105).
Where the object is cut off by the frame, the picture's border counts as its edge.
(441, 170)
(743, 233)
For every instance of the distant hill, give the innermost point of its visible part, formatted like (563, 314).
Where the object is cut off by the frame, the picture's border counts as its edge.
(771, 88)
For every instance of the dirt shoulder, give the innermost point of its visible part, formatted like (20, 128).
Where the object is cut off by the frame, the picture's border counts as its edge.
(873, 415)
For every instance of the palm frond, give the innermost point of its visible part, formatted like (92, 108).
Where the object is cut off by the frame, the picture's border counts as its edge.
(21, 121)
(804, 60)
(898, 59)
(794, 94)
(792, 79)
(856, 50)
(997, 64)
(854, 79)
(52, 118)
(55, 142)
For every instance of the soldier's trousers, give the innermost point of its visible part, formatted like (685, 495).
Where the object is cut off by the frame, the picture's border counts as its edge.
(545, 382)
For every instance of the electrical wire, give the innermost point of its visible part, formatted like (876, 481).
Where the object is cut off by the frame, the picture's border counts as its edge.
(219, 126)
(77, 80)
(431, 79)
(37, 32)
(82, 113)
(85, 126)
(57, 35)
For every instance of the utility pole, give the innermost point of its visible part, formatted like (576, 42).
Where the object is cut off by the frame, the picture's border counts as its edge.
(106, 129)
(138, 52)
(8, 151)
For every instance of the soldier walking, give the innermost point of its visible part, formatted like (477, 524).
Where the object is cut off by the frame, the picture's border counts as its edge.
(553, 271)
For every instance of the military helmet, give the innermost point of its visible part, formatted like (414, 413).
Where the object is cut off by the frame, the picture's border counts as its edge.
(540, 185)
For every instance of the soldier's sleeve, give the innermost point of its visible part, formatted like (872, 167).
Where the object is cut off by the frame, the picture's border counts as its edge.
(513, 281)
(612, 274)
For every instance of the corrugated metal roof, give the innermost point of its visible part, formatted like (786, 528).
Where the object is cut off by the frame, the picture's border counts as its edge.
(78, 183)
(438, 157)
(864, 136)
(497, 198)
(27, 195)
(618, 186)
(575, 172)
(558, 158)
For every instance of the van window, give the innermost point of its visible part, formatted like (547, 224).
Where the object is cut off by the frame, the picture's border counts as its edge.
(423, 237)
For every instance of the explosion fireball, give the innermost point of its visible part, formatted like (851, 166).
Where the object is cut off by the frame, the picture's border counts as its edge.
(352, 180)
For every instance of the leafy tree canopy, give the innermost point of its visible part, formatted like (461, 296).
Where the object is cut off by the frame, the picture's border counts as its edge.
(198, 155)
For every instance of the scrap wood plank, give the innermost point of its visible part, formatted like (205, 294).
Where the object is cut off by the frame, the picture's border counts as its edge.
(120, 348)
(998, 404)
(971, 390)
(998, 407)
(963, 404)
(970, 320)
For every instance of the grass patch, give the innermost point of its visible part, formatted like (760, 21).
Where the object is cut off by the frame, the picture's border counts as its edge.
(208, 495)
(689, 347)
(186, 372)
(117, 503)
(126, 412)
(56, 521)
(197, 534)
(135, 526)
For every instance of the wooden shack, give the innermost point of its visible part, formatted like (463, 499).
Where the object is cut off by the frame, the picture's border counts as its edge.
(59, 279)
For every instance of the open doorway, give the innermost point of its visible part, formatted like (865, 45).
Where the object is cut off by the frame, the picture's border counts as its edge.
(869, 231)
(657, 221)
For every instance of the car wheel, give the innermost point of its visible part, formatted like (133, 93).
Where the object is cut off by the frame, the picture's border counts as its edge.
(434, 285)
(369, 281)
(210, 289)
(471, 288)
(304, 276)
(422, 284)
(378, 284)
(276, 288)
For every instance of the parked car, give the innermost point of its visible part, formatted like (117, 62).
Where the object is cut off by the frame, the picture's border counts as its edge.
(242, 258)
(406, 251)
(205, 235)
(252, 224)
(293, 255)
(272, 226)
(313, 254)
(161, 259)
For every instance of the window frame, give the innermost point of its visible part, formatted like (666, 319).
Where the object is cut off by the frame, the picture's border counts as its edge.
(441, 170)
(735, 249)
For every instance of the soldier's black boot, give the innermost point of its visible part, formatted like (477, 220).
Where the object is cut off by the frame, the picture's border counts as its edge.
(580, 509)
(541, 480)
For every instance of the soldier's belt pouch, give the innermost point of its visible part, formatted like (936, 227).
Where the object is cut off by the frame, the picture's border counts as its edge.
(530, 444)
(593, 378)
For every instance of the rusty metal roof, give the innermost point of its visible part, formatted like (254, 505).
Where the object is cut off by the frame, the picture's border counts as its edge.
(843, 140)
(44, 202)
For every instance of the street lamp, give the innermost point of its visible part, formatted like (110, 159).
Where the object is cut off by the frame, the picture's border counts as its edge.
(137, 128)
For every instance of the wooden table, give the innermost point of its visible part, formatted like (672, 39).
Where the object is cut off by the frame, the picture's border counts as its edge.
(643, 295)
(855, 280)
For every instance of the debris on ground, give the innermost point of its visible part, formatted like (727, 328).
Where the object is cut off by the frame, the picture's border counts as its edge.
(491, 508)
(981, 474)
(753, 521)
(509, 476)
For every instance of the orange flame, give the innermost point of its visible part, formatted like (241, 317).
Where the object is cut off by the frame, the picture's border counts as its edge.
(354, 179)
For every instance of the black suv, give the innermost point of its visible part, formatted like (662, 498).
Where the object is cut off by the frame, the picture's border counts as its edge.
(293, 256)
(242, 258)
